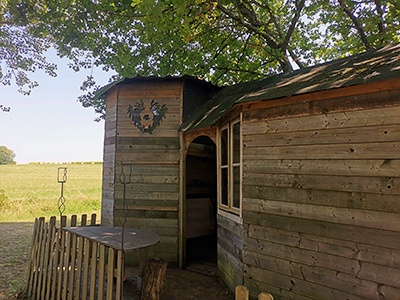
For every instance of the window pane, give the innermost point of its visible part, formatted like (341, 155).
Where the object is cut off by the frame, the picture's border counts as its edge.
(224, 186)
(236, 142)
(224, 147)
(236, 187)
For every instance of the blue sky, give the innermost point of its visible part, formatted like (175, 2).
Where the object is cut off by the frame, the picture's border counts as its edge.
(50, 125)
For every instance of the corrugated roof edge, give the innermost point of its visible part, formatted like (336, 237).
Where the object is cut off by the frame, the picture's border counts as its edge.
(372, 66)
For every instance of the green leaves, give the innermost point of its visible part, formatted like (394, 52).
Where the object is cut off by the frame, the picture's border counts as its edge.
(22, 49)
(351, 27)
(22, 53)
(223, 41)
(6, 156)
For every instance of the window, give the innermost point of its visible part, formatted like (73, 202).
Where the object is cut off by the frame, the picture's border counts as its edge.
(230, 173)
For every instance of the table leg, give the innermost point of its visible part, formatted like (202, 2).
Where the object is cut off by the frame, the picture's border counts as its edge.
(142, 260)
(142, 264)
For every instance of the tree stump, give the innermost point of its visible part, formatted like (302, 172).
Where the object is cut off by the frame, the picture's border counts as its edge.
(153, 279)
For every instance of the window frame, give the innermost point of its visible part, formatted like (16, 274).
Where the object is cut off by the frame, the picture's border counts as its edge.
(231, 165)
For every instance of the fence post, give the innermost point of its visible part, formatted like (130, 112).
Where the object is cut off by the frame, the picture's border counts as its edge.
(38, 259)
(32, 258)
(52, 260)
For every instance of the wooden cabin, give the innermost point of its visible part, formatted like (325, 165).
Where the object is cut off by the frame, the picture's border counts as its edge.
(145, 181)
(294, 180)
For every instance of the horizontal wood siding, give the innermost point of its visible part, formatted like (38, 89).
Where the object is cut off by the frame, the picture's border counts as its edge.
(110, 134)
(230, 251)
(152, 160)
(321, 199)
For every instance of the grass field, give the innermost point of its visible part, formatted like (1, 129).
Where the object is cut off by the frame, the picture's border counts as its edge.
(31, 190)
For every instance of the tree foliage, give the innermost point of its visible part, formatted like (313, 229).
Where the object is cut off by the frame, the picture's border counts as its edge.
(6, 156)
(224, 41)
(22, 50)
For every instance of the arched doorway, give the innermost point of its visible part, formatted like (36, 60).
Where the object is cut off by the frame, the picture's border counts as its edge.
(201, 202)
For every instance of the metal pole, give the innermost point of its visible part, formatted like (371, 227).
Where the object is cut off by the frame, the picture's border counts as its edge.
(124, 179)
(61, 178)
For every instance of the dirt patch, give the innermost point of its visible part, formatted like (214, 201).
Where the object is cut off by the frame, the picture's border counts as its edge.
(196, 282)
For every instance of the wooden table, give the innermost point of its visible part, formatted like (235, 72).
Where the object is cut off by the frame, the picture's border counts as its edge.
(134, 239)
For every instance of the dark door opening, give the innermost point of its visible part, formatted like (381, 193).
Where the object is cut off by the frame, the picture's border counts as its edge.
(201, 202)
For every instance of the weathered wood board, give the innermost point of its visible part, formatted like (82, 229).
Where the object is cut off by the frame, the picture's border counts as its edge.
(230, 251)
(144, 153)
(141, 173)
(321, 199)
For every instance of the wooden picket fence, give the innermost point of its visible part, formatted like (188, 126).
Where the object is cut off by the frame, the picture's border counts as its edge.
(64, 266)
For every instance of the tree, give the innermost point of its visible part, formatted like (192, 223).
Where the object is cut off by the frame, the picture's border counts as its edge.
(224, 41)
(6, 156)
(22, 49)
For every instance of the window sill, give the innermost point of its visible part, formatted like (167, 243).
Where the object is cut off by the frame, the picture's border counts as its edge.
(230, 216)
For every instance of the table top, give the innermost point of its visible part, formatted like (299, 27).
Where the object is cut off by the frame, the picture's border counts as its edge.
(111, 236)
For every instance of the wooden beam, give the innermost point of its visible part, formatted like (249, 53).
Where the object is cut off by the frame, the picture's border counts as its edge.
(154, 208)
(393, 84)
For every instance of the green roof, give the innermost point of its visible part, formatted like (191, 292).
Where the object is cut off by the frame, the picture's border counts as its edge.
(127, 80)
(373, 66)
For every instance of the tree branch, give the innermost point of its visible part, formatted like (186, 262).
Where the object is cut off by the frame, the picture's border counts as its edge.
(6, 23)
(379, 10)
(271, 41)
(272, 17)
(293, 23)
(229, 69)
(258, 28)
(220, 49)
(296, 59)
(356, 24)
(286, 66)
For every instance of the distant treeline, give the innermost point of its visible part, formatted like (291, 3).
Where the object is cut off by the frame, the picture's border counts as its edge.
(68, 163)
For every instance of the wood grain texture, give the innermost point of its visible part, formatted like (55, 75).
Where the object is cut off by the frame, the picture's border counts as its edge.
(230, 247)
(151, 163)
(321, 199)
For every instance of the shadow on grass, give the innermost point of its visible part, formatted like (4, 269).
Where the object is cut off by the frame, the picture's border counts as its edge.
(15, 244)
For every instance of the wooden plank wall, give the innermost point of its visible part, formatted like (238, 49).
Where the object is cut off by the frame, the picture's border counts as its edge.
(152, 196)
(321, 203)
(230, 251)
(110, 139)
